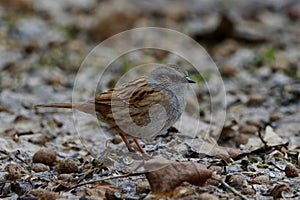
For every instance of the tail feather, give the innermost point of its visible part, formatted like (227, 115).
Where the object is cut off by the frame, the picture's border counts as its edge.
(55, 105)
(86, 107)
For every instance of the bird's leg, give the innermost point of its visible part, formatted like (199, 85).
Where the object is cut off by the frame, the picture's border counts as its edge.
(138, 145)
(126, 142)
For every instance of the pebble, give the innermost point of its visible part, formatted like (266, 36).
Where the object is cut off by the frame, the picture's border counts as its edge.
(66, 166)
(228, 70)
(248, 129)
(291, 171)
(207, 196)
(248, 190)
(40, 167)
(263, 179)
(276, 116)
(142, 187)
(256, 99)
(13, 172)
(43, 194)
(241, 139)
(235, 180)
(46, 156)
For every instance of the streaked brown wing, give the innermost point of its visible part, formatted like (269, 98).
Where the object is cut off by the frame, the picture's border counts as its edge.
(135, 97)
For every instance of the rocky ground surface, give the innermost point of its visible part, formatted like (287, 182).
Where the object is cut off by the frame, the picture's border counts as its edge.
(252, 152)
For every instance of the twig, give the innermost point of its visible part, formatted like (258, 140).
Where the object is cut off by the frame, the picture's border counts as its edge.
(230, 188)
(262, 138)
(106, 178)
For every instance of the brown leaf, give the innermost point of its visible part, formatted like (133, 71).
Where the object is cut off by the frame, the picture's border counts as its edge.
(174, 174)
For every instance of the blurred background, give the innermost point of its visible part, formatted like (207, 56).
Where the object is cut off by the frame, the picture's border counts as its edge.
(254, 43)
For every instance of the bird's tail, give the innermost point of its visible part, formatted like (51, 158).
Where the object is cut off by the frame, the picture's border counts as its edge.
(87, 107)
(55, 105)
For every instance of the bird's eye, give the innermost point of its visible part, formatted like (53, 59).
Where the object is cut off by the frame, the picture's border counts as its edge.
(189, 80)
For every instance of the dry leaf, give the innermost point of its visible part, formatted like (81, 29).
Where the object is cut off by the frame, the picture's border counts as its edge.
(174, 174)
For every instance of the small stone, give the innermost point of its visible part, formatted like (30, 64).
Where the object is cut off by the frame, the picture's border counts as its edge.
(43, 194)
(66, 166)
(225, 49)
(224, 156)
(241, 139)
(175, 11)
(248, 190)
(256, 100)
(281, 63)
(291, 171)
(213, 182)
(233, 153)
(263, 179)
(227, 133)
(13, 172)
(40, 167)
(253, 122)
(235, 180)
(216, 169)
(39, 139)
(21, 188)
(207, 196)
(65, 177)
(228, 70)
(117, 139)
(182, 191)
(276, 116)
(46, 156)
(293, 12)
(280, 66)
(142, 187)
(248, 129)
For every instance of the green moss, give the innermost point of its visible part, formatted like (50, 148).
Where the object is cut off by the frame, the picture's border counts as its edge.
(70, 30)
(267, 57)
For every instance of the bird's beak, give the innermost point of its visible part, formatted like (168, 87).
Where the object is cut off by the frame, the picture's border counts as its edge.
(189, 80)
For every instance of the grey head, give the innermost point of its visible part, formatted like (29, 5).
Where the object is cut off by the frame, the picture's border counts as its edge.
(174, 80)
(170, 75)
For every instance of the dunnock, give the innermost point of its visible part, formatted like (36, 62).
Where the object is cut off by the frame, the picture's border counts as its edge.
(141, 108)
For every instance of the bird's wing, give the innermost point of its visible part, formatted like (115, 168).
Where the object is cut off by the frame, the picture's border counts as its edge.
(137, 93)
(133, 99)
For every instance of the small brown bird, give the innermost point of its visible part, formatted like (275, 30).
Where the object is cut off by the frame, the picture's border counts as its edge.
(142, 108)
